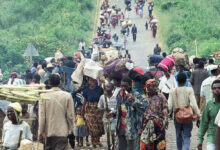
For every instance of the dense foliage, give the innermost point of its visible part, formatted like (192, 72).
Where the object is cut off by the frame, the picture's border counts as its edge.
(184, 21)
(48, 24)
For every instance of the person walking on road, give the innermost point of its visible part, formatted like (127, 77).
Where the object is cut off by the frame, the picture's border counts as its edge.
(196, 79)
(208, 117)
(130, 108)
(185, 97)
(157, 50)
(154, 29)
(134, 32)
(56, 116)
(146, 25)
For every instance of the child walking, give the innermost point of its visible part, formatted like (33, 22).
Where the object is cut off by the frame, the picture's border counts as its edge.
(81, 129)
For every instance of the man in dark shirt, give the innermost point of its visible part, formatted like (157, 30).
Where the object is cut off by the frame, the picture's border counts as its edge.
(196, 79)
(134, 32)
(157, 50)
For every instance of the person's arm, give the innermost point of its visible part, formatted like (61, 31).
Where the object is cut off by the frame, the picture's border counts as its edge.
(140, 103)
(42, 117)
(203, 124)
(27, 133)
(202, 90)
(217, 138)
(3, 133)
(101, 102)
(193, 102)
(192, 78)
(170, 102)
(70, 113)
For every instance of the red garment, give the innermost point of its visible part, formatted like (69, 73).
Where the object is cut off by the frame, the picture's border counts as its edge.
(123, 113)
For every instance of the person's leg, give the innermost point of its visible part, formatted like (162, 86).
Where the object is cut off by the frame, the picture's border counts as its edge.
(179, 137)
(77, 139)
(81, 141)
(131, 144)
(87, 141)
(210, 146)
(122, 142)
(49, 143)
(197, 99)
(187, 129)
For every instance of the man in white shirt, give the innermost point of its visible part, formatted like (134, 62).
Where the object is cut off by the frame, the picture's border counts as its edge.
(205, 92)
(167, 83)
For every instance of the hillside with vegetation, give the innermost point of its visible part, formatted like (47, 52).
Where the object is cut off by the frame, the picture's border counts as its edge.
(48, 24)
(189, 24)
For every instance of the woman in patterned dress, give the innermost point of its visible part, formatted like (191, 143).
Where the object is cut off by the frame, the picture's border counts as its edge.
(154, 119)
(92, 115)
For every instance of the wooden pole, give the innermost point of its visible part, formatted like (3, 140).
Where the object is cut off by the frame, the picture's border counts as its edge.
(196, 48)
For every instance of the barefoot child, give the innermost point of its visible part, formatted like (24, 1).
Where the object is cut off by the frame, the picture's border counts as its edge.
(81, 130)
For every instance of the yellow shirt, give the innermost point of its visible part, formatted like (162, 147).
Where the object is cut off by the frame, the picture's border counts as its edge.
(80, 121)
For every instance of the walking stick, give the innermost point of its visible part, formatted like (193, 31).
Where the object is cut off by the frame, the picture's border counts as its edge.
(108, 121)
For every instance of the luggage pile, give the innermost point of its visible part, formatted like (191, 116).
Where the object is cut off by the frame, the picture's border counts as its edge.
(167, 64)
(180, 57)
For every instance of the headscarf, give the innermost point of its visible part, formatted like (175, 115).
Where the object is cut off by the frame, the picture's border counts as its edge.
(16, 106)
(151, 82)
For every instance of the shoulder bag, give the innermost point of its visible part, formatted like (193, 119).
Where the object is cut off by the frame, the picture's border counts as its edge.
(184, 115)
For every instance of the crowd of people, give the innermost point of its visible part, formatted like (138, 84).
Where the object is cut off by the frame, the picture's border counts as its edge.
(132, 110)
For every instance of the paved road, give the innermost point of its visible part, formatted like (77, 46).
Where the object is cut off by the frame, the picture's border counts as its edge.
(139, 51)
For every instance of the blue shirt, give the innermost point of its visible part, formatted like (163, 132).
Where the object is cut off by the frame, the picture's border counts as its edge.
(92, 95)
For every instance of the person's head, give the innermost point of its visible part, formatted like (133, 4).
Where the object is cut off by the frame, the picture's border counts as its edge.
(201, 65)
(134, 25)
(24, 108)
(216, 88)
(14, 110)
(54, 80)
(50, 67)
(211, 61)
(181, 79)
(167, 74)
(151, 86)
(126, 84)
(109, 87)
(164, 54)
(117, 82)
(180, 68)
(44, 65)
(36, 78)
(157, 45)
(196, 60)
(126, 51)
(35, 64)
(13, 75)
(79, 111)
(91, 82)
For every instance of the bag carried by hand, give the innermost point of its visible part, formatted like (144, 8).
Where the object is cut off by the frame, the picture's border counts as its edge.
(185, 114)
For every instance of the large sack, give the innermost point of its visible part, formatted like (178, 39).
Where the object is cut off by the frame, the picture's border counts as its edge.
(116, 68)
(167, 64)
(180, 58)
(95, 53)
(77, 76)
(58, 55)
(92, 69)
(155, 59)
(26, 145)
(111, 55)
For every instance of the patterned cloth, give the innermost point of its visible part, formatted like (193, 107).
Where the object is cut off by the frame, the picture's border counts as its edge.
(154, 124)
(94, 122)
(134, 111)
